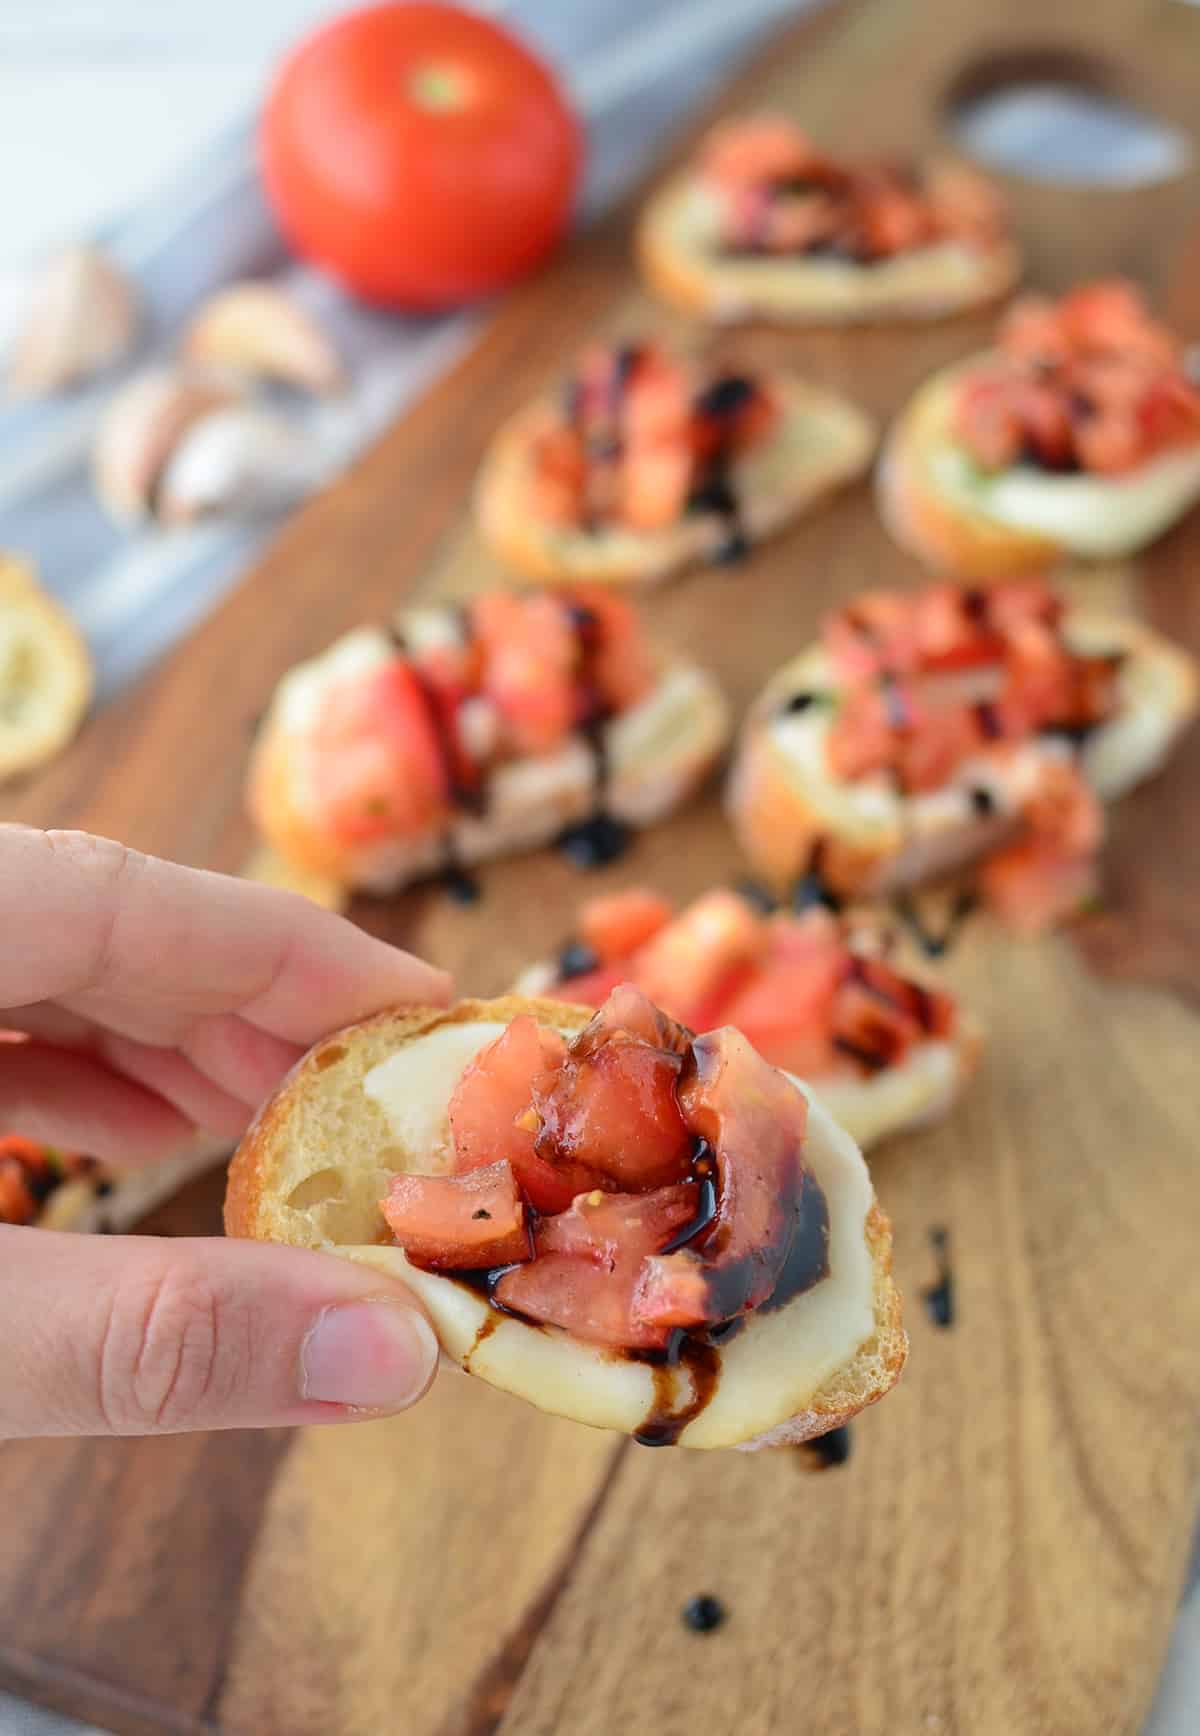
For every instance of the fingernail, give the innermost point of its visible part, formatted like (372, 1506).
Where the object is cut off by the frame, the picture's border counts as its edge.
(374, 1355)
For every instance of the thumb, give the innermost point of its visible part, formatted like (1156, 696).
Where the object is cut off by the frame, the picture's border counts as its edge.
(130, 1335)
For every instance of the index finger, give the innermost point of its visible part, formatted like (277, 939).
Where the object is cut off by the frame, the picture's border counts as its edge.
(84, 919)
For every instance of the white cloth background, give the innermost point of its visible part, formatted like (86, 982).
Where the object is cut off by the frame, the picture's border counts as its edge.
(127, 118)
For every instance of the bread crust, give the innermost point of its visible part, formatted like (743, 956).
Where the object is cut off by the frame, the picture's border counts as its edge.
(540, 553)
(258, 1180)
(683, 271)
(778, 822)
(60, 687)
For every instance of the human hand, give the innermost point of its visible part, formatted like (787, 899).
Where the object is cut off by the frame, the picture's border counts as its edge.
(153, 1000)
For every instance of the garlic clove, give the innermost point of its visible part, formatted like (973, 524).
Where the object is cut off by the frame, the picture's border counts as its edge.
(83, 316)
(255, 329)
(141, 429)
(45, 672)
(238, 462)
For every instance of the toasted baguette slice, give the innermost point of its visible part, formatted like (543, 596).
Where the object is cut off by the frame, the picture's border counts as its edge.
(372, 1100)
(678, 251)
(656, 754)
(783, 801)
(957, 519)
(916, 1092)
(45, 672)
(113, 1201)
(822, 443)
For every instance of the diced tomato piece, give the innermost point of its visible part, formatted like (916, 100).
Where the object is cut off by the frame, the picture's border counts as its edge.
(530, 656)
(375, 763)
(611, 1110)
(607, 1228)
(785, 1008)
(688, 961)
(1064, 809)
(1034, 329)
(987, 419)
(459, 1221)
(619, 666)
(654, 486)
(878, 632)
(937, 741)
(1034, 884)
(490, 1117)
(1112, 315)
(861, 738)
(558, 478)
(1015, 602)
(573, 1293)
(629, 1012)
(17, 1203)
(616, 924)
(754, 1120)
(1111, 442)
(765, 147)
(657, 402)
(890, 217)
(673, 1291)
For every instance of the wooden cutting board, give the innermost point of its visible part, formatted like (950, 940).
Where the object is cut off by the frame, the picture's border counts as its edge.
(1003, 1550)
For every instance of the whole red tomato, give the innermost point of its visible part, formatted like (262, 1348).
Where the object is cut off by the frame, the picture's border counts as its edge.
(419, 154)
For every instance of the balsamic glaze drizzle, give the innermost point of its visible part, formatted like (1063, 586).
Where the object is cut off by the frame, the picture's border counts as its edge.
(812, 887)
(935, 945)
(713, 490)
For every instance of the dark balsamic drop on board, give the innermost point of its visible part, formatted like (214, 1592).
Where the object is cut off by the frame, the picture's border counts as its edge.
(595, 842)
(935, 945)
(704, 1613)
(938, 1297)
(828, 1450)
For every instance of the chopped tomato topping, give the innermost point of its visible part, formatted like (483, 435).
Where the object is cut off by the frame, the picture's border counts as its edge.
(29, 1173)
(702, 951)
(639, 432)
(778, 194)
(611, 1110)
(459, 1221)
(615, 925)
(607, 1228)
(786, 1007)
(1033, 884)
(617, 668)
(1090, 382)
(933, 678)
(529, 659)
(490, 1117)
(754, 1121)
(375, 764)
(564, 1290)
(790, 984)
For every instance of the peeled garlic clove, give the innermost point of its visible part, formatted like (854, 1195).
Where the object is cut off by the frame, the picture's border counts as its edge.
(45, 672)
(256, 329)
(141, 429)
(238, 463)
(83, 316)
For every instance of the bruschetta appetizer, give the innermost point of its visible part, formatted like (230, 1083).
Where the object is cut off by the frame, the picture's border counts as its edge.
(646, 463)
(62, 1190)
(625, 1224)
(45, 672)
(1077, 435)
(765, 225)
(881, 1045)
(928, 729)
(479, 731)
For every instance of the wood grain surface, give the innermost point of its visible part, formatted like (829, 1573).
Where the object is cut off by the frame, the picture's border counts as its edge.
(1003, 1551)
